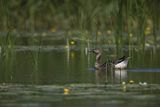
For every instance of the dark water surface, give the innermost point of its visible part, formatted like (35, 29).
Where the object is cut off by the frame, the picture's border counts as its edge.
(56, 75)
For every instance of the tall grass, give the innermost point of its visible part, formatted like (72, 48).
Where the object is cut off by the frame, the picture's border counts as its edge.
(122, 16)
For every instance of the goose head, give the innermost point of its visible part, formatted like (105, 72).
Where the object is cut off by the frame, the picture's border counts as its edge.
(96, 51)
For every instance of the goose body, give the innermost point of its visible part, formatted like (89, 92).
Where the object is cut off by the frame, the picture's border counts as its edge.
(98, 64)
(121, 63)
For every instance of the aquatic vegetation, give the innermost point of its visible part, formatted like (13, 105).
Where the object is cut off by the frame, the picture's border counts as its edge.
(118, 18)
(131, 81)
(66, 91)
(72, 42)
(7, 56)
(36, 57)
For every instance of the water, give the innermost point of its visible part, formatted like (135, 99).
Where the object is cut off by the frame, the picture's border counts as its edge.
(90, 95)
(52, 74)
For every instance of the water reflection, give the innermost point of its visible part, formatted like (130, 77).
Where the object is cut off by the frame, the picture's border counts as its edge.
(101, 76)
(113, 77)
(120, 75)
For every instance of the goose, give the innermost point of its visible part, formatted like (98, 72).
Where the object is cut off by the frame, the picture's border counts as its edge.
(120, 63)
(98, 64)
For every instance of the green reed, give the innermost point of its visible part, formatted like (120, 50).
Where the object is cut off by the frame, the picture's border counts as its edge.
(155, 18)
(36, 57)
(7, 56)
(122, 16)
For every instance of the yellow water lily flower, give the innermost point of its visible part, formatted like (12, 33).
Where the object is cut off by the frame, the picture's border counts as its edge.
(66, 91)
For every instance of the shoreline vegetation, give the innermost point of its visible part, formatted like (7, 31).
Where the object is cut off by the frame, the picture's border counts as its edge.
(126, 21)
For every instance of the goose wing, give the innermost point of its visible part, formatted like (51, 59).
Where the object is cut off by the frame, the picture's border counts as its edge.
(120, 60)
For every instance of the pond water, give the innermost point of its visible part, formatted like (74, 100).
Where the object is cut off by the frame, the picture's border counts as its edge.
(55, 74)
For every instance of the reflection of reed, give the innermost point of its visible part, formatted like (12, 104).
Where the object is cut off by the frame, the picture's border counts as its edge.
(68, 52)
